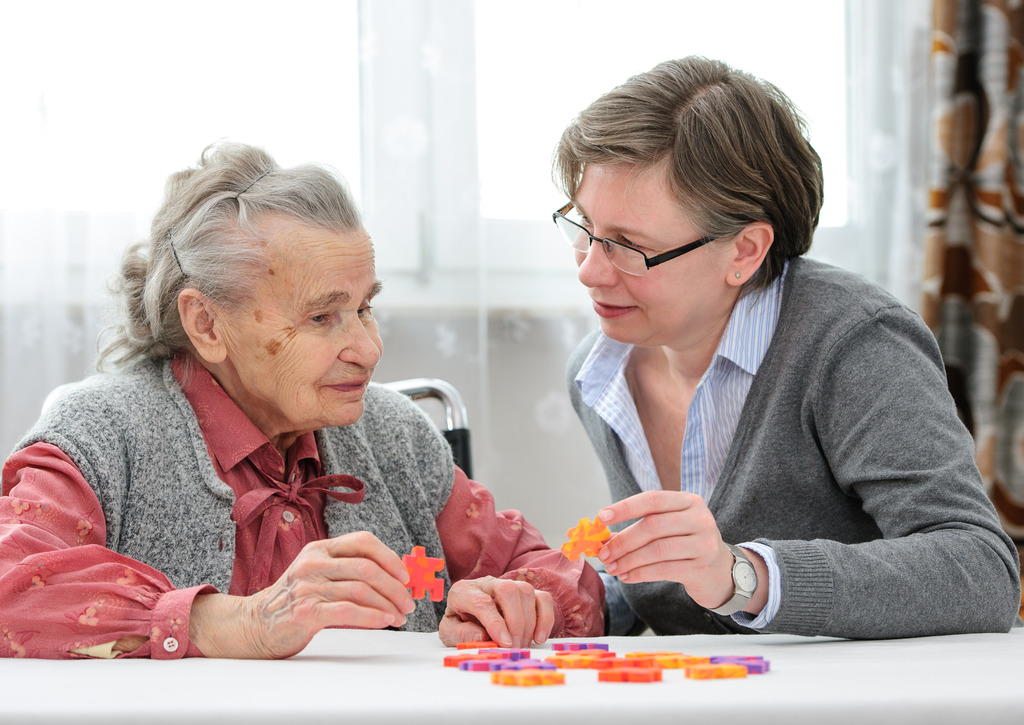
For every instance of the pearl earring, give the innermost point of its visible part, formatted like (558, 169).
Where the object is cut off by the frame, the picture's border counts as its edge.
(738, 275)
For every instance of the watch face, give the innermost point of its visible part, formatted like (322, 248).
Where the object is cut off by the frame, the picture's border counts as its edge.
(745, 577)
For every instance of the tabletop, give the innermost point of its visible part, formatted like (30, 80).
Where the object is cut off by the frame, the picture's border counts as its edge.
(352, 676)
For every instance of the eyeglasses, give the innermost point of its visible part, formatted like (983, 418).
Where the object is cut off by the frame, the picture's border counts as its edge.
(624, 257)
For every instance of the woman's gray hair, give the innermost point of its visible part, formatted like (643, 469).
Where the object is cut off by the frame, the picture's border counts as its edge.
(206, 236)
(735, 147)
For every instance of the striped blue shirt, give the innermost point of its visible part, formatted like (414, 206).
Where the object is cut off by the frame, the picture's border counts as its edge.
(711, 418)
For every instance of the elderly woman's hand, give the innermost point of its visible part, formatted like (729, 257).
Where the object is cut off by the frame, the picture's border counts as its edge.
(349, 581)
(511, 613)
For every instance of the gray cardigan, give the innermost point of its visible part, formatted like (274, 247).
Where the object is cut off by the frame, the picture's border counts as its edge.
(849, 460)
(136, 440)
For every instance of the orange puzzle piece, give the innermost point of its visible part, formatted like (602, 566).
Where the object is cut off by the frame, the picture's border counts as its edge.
(576, 660)
(421, 570)
(630, 674)
(585, 539)
(669, 660)
(527, 678)
(611, 663)
(476, 645)
(457, 659)
(715, 672)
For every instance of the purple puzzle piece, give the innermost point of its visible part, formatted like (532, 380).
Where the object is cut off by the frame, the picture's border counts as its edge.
(524, 664)
(506, 653)
(755, 665)
(577, 646)
(477, 665)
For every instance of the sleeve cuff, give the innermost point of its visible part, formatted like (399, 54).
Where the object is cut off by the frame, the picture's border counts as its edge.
(620, 619)
(168, 634)
(765, 617)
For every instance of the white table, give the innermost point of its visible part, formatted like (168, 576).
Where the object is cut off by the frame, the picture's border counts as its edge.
(394, 677)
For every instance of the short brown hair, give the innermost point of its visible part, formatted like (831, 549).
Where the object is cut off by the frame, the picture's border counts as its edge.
(735, 147)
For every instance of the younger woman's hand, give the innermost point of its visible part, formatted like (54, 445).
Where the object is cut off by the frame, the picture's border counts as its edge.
(676, 539)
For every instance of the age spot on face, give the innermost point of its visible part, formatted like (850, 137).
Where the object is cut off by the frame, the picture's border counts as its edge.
(258, 316)
(273, 347)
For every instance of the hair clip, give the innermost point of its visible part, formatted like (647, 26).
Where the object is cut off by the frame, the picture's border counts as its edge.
(174, 252)
(251, 184)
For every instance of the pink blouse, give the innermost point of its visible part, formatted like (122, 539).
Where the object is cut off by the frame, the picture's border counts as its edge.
(62, 591)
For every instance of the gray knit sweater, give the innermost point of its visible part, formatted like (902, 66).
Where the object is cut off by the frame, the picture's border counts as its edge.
(850, 462)
(136, 440)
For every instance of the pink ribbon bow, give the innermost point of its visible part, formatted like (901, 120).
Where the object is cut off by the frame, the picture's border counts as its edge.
(259, 502)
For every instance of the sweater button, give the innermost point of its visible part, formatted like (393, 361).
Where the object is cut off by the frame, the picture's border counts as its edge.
(170, 644)
(288, 516)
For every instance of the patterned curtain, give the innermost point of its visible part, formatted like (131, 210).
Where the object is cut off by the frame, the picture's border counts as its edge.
(974, 260)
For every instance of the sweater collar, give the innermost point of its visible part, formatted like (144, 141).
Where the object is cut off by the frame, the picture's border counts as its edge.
(744, 342)
(229, 434)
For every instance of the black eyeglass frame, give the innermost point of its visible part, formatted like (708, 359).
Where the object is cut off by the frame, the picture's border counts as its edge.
(649, 261)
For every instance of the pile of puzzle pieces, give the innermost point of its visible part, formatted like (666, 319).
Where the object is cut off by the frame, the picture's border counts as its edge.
(518, 667)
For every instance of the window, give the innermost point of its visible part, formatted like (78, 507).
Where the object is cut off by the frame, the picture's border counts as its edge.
(539, 66)
(441, 114)
(486, 92)
(110, 96)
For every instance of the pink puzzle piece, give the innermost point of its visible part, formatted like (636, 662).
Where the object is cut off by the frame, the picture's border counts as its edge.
(421, 570)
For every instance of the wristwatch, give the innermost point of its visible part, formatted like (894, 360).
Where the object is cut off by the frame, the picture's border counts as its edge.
(744, 578)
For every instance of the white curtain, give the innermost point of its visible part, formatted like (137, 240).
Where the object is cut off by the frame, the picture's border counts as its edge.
(55, 266)
(100, 102)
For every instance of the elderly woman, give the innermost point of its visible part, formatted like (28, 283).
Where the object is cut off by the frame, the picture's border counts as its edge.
(779, 430)
(236, 484)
